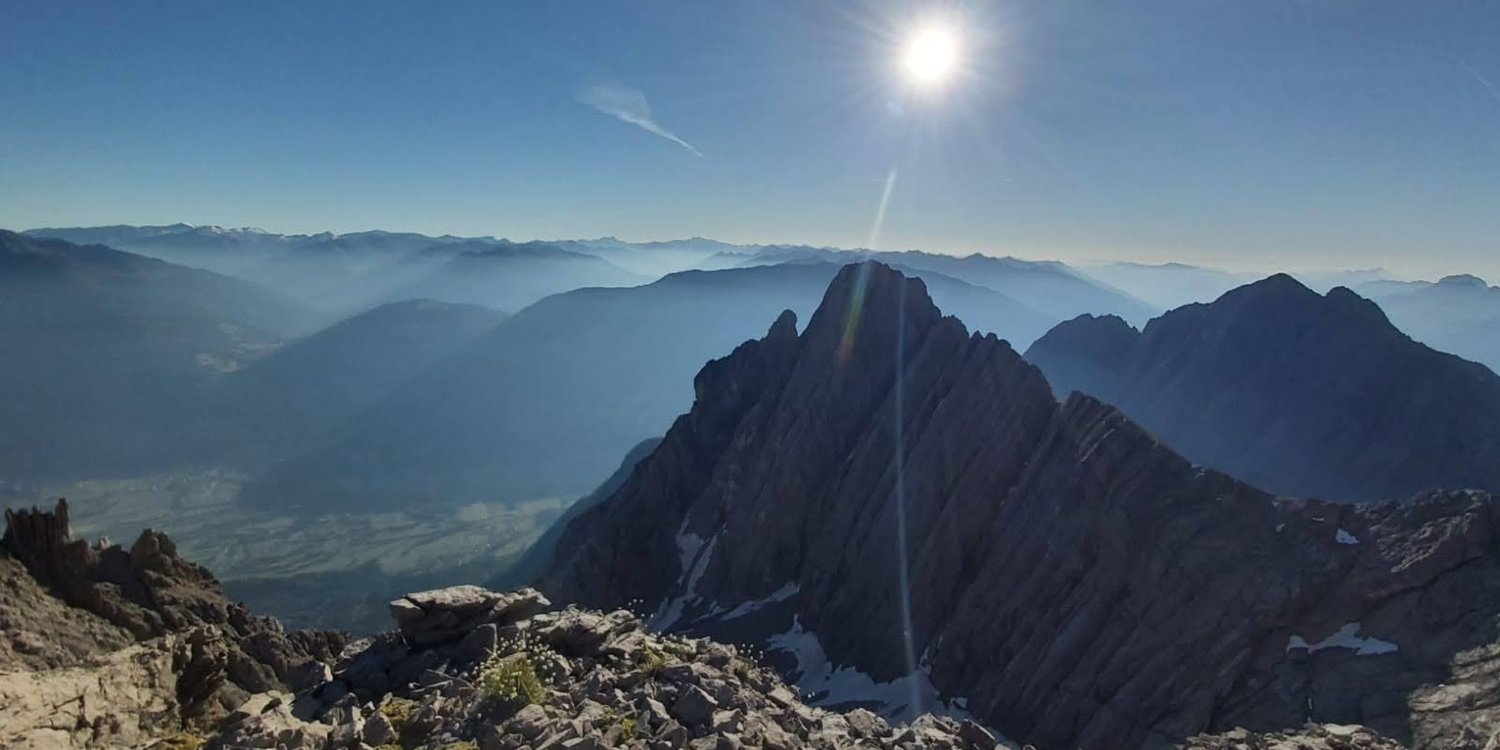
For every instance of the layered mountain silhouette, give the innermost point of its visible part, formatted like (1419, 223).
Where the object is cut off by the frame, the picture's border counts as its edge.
(546, 403)
(1047, 288)
(1458, 314)
(903, 513)
(347, 273)
(1167, 285)
(308, 388)
(1296, 392)
(104, 354)
(505, 275)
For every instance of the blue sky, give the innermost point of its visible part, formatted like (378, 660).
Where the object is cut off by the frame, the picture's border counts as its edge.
(1250, 134)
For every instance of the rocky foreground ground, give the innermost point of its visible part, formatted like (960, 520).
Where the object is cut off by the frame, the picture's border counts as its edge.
(106, 647)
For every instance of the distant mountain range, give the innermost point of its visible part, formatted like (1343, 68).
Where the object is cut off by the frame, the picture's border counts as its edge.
(104, 355)
(347, 273)
(1458, 314)
(546, 403)
(1296, 392)
(549, 401)
(1168, 285)
(1048, 288)
(308, 407)
(293, 396)
(905, 519)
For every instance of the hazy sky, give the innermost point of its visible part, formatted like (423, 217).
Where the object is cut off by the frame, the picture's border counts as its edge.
(1247, 134)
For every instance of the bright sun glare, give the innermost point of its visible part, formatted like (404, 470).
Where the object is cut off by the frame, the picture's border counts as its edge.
(931, 55)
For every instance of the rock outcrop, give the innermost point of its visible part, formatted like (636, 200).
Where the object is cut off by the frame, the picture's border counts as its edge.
(102, 646)
(906, 518)
(427, 618)
(565, 679)
(1297, 393)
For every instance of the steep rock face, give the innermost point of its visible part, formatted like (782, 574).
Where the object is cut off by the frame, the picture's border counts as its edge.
(887, 493)
(1299, 393)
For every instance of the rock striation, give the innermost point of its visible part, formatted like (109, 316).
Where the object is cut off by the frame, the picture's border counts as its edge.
(1295, 392)
(906, 518)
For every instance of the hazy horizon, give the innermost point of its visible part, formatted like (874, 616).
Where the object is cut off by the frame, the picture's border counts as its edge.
(1266, 136)
(1082, 262)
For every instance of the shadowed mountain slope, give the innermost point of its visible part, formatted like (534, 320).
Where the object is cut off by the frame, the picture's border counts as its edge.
(1458, 314)
(1300, 393)
(548, 402)
(312, 386)
(103, 354)
(903, 512)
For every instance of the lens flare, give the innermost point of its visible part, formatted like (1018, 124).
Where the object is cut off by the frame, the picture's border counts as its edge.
(852, 314)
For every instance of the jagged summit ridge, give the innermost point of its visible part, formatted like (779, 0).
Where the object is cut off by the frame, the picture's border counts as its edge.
(895, 496)
(1299, 393)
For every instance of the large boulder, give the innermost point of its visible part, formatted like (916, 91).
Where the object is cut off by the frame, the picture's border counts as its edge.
(428, 618)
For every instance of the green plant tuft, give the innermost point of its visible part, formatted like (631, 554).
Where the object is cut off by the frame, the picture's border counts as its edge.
(511, 681)
(651, 660)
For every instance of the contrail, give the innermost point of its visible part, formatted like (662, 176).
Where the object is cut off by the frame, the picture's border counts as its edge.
(629, 105)
(1485, 82)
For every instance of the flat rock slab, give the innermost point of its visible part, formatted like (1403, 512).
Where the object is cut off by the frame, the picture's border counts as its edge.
(447, 614)
(459, 600)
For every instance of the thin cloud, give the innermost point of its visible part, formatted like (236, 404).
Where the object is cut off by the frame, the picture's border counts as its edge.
(629, 105)
(1485, 82)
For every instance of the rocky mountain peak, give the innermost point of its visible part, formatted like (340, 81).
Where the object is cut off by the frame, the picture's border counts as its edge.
(906, 519)
(1296, 392)
(1278, 285)
(1085, 352)
(1464, 280)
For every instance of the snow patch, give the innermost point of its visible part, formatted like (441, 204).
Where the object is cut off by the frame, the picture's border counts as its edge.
(693, 555)
(1344, 537)
(830, 685)
(779, 595)
(1346, 637)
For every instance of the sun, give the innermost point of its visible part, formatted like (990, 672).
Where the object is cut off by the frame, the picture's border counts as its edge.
(931, 55)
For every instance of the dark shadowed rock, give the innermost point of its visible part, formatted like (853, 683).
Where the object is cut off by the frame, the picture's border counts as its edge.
(1299, 393)
(1084, 354)
(694, 707)
(1070, 576)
